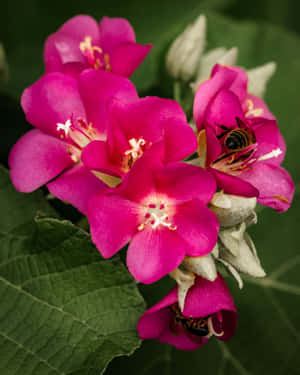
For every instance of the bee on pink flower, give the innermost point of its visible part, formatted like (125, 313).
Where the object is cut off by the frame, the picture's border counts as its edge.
(208, 311)
(239, 140)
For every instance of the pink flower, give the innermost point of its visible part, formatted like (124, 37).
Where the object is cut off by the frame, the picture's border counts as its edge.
(244, 147)
(161, 210)
(209, 310)
(68, 114)
(134, 128)
(81, 43)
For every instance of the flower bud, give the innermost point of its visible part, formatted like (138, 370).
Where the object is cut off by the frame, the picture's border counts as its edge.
(203, 266)
(239, 251)
(184, 279)
(183, 56)
(259, 77)
(231, 209)
(3, 64)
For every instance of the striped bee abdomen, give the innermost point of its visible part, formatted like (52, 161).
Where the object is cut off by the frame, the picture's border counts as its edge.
(238, 139)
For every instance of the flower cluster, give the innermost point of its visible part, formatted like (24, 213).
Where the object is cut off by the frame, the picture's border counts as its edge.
(180, 197)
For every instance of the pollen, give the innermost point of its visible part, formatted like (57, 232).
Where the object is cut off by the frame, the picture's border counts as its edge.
(135, 152)
(65, 127)
(256, 112)
(136, 148)
(97, 59)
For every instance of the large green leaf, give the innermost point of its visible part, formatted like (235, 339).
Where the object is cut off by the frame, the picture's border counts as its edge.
(267, 340)
(64, 310)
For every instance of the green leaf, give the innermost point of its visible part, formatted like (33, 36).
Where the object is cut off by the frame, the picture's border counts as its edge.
(64, 309)
(268, 336)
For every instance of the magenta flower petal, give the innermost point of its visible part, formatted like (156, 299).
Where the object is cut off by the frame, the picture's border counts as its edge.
(207, 297)
(76, 186)
(146, 116)
(181, 341)
(114, 31)
(213, 146)
(154, 253)
(268, 140)
(198, 226)
(223, 110)
(113, 221)
(95, 156)
(156, 319)
(184, 182)
(180, 140)
(274, 183)
(96, 88)
(234, 185)
(61, 49)
(52, 99)
(37, 158)
(207, 91)
(239, 84)
(81, 26)
(63, 46)
(127, 57)
(138, 119)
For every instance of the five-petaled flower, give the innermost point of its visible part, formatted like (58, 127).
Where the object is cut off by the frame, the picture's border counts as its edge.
(81, 43)
(68, 114)
(208, 311)
(134, 128)
(240, 141)
(161, 210)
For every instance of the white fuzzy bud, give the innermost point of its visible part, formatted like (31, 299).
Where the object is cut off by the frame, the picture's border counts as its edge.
(244, 260)
(203, 266)
(259, 77)
(185, 280)
(183, 56)
(231, 209)
(3, 64)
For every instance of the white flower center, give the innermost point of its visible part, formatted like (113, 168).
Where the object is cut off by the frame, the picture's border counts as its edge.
(157, 214)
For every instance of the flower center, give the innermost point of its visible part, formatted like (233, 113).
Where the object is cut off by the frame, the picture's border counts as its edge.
(137, 149)
(97, 59)
(157, 215)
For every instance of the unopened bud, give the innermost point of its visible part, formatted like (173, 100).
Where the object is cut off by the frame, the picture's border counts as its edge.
(203, 266)
(259, 77)
(185, 280)
(3, 64)
(183, 56)
(231, 209)
(237, 249)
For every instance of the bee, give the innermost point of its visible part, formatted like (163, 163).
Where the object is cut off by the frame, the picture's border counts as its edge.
(237, 139)
(195, 326)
